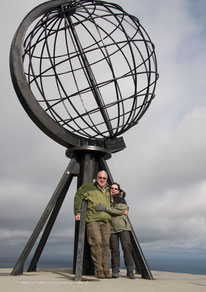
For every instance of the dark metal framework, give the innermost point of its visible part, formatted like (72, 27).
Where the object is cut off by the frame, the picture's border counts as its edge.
(85, 163)
(85, 71)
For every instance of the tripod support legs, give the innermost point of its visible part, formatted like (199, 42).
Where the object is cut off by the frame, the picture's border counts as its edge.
(85, 166)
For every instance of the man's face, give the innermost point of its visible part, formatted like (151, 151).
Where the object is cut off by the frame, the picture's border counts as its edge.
(102, 179)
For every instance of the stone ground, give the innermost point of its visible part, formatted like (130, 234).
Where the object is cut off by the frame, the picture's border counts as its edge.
(62, 279)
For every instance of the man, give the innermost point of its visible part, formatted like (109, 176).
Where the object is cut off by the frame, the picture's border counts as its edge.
(98, 226)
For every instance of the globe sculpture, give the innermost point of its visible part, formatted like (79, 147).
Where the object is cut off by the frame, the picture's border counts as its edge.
(85, 72)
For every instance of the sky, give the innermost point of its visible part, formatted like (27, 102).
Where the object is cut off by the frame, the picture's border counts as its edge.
(163, 168)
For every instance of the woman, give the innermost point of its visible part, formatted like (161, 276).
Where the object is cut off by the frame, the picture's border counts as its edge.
(120, 231)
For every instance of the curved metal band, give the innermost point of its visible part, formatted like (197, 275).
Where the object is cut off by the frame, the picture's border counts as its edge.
(21, 86)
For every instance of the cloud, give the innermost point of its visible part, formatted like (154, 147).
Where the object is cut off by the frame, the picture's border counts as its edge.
(164, 159)
(180, 158)
(163, 167)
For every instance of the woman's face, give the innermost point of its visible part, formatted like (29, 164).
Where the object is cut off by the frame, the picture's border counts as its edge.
(114, 189)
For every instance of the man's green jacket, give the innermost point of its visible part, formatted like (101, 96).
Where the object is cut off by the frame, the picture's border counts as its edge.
(94, 196)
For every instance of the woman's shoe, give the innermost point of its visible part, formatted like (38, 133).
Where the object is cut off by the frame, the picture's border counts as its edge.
(130, 275)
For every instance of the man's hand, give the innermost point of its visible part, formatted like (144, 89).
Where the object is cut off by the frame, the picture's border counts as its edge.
(101, 208)
(77, 217)
(125, 212)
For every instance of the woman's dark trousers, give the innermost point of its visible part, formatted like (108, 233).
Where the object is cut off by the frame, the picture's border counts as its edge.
(124, 238)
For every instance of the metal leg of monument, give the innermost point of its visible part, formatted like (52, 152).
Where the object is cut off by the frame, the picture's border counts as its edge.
(49, 226)
(138, 256)
(73, 169)
(19, 267)
(88, 266)
(81, 243)
(88, 169)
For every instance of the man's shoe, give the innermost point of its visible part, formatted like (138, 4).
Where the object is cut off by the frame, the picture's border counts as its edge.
(107, 274)
(130, 275)
(115, 275)
(100, 274)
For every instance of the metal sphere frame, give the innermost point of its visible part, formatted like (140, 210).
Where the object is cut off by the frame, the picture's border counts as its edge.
(94, 89)
(83, 97)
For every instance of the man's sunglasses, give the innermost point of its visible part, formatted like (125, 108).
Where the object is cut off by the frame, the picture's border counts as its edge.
(102, 177)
